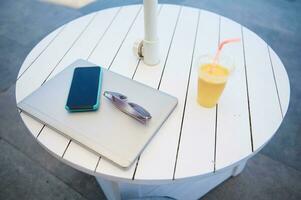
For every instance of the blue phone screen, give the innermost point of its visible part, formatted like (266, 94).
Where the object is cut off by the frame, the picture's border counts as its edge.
(83, 94)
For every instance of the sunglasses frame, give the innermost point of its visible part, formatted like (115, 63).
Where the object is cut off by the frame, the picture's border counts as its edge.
(132, 109)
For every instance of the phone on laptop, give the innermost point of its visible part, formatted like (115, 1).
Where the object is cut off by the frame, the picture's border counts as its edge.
(85, 89)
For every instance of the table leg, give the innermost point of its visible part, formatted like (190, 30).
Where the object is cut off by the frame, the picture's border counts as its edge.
(110, 188)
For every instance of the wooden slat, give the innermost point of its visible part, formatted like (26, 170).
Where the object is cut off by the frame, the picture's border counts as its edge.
(161, 152)
(233, 138)
(196, 150)
(33, 125)
(34, 76)
(125, 62)
(54, 141)
(104, 53)
(264, 106)
(88, 40)
(37, 51)
(281, 79)
(79, 155)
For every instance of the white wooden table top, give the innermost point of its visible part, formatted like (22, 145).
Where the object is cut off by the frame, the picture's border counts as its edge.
(194, 141)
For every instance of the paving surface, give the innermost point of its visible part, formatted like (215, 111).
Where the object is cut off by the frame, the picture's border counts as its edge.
(27, 171)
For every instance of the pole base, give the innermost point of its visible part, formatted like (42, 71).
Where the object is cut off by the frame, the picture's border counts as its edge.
(148, 51)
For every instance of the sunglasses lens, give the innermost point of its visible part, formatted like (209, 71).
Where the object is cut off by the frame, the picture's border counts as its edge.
(132, 109)
(140, 110)
(122, 97)
(118, 95)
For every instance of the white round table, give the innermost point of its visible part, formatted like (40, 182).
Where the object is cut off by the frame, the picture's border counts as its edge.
(196, 148)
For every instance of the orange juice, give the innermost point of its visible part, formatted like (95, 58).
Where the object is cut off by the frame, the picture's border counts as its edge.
(211, 83)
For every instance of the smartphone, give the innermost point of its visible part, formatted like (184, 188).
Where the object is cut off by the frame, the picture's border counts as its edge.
(85, 89)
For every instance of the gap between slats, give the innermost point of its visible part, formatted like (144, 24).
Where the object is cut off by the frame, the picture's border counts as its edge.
(247, 86)
(216, 107)
(173, 34)
(276, 86)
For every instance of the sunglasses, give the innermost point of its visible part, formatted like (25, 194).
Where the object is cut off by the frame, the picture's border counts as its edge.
(129, 108)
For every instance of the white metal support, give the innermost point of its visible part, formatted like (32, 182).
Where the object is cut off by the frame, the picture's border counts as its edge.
(150, 49)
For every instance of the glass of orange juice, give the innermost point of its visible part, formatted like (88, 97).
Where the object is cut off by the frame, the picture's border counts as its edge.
(212, 79)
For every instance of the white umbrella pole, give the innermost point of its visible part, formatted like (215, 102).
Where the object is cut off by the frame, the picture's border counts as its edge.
(151, 41)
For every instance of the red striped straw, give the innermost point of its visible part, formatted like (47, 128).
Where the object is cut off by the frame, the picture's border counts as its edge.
(220, 47)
